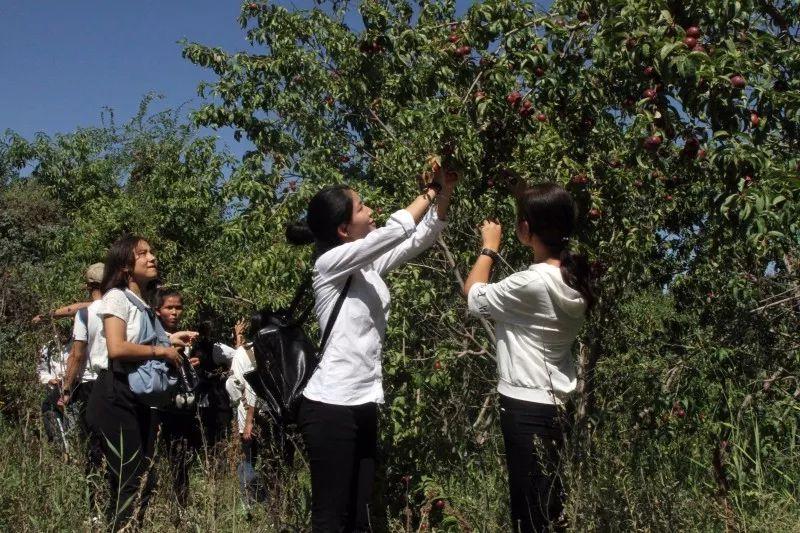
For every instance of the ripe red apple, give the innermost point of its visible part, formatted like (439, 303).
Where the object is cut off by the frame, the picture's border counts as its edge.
(690, 42)
(541, 117)
(252, 6)
(699, 48)
(693, 31)
(653, 142)
(701, 154)
(595, 213)
(539, 71)
(526, 104)
(738, 81)
(525, 112)
(668, 197)
(513, 98)
(650, 93)
(439, 504)
(479, 95)
(437, 365)
(748, 180)
(680, 412)
(755, 120)
(453, 38)
(463, 50)
(648, 70)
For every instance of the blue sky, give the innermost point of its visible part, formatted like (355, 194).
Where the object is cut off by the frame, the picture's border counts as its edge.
(62, 62)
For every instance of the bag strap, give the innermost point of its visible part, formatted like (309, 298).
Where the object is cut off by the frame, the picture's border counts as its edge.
(334, 315)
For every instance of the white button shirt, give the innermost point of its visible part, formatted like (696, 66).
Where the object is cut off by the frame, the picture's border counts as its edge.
(350, 372)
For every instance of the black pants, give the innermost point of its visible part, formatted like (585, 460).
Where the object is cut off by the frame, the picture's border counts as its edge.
(342, 443)
(94, 446)
(127, 431)
(533, 434)
(182, 435)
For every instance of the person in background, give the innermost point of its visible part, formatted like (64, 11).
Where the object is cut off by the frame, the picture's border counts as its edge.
(53, 360)
(245, 403)
(81, 372)
(180, 426)
(123, 422)
(538, 313)
(214, 363)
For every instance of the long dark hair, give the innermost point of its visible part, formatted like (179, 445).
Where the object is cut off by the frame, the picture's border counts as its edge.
(331, 207)
(550, 213)
(119, 265)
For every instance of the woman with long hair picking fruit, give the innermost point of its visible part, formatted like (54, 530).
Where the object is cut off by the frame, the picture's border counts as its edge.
(338, 415)
(538, 313)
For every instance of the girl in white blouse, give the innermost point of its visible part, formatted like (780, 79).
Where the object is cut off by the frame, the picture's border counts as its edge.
(338, 415)
(538, 313)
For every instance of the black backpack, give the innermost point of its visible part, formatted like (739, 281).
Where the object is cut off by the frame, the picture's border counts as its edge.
(285, 357)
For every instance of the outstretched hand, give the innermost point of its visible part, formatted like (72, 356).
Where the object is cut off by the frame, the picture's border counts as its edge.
(183, 338)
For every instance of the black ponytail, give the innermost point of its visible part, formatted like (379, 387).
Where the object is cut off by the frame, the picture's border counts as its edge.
(331, 207)
(550, 213)
(577, 274)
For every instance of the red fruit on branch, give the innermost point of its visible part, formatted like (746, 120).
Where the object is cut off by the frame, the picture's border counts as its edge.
(595, 213)
(668, 197)
(252, 6)
(693, 31)
(453, 38)
(526, 104)
(541, 117)
(701, 154)
(650, 93)
(539, 71)
(699, 48)
(648, 71)
(755, 120)
(439, 504)
(513, 98)
(479, 95)
(437, 365)
(653, 142)
(463, 50)
(690, 42)
(748, 180)
(738, 81)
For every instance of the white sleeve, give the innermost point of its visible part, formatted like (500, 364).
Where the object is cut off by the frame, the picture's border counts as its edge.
(425, 234)
(503, 300)
(233, 390)
(222, 354)
(80, 330)
(348, 257)
(115, 303)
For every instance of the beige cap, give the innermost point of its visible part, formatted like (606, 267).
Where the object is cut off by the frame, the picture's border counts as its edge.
(94, 274)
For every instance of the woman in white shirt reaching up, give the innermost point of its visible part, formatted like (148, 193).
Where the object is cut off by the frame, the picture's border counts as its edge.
(338, 415)
(538, 313)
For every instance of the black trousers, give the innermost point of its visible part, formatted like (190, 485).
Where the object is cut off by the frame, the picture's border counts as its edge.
(342, 443)
(94, 445)
(127, 431)
(533, 434)
(182, 435)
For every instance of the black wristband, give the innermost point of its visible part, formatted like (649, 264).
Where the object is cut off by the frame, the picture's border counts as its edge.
(491, 253)
(436, 186)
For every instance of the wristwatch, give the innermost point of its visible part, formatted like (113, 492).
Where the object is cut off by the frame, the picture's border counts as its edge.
(491, 253)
